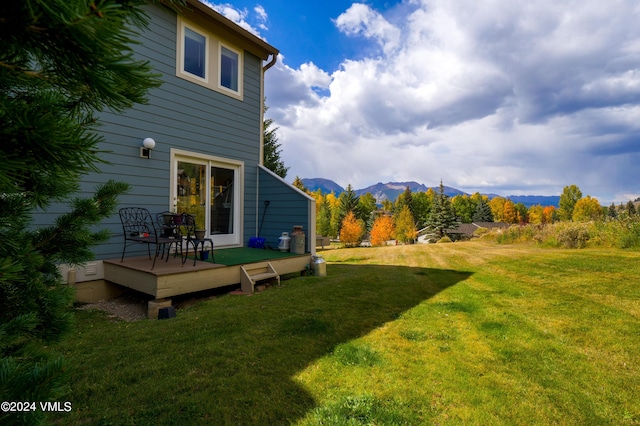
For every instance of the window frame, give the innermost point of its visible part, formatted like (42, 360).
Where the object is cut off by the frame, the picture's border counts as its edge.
(205, 65)
(213, 60)
(180, 56)
(235, 238)
(239, 68)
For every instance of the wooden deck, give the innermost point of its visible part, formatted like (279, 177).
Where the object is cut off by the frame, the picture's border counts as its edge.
(172, 278)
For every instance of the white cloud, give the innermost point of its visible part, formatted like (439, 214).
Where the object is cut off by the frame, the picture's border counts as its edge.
(262, 14)
(360, 19)
(240, 16)
(262, 17)
(490, 95)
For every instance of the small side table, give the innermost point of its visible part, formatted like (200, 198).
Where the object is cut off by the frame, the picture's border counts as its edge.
(197, 243)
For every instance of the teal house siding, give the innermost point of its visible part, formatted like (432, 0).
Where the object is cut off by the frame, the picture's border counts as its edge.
(179, 115)
(190, 120)
(288, 207)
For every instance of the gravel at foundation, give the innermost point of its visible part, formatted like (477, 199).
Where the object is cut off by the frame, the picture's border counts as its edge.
(126, 307)
(132, 306)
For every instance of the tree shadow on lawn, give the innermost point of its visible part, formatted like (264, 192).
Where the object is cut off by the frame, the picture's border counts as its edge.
(232, 360)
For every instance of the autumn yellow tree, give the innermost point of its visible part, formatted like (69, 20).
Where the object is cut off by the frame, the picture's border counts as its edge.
(351, 231)
(405, 226)
(549, 214)
(334, 215)
(297, 182)
(497, 208)
(383, 230)
(536, 214)
(586, 209)
(510, 214)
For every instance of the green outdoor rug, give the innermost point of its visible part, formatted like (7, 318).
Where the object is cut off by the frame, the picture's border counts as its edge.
(244, 255)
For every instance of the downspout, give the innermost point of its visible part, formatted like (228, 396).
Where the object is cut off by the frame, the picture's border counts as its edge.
(272, 62)
(257, 198)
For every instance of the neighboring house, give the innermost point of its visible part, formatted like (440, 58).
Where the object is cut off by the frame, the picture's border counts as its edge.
(463, 231)
(466, 231)
(207, 123)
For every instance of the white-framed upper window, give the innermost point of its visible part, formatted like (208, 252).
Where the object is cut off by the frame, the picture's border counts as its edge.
(205, 59)
(229, 68)
(194, 53)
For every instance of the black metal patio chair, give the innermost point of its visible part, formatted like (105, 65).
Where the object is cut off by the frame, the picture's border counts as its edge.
(169, 225)
(139, 227)
(194, 238)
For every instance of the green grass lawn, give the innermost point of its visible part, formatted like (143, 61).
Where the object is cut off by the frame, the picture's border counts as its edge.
(464, 333)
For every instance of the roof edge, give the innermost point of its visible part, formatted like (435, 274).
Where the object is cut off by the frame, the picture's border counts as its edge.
(296, 189)
(218, 18)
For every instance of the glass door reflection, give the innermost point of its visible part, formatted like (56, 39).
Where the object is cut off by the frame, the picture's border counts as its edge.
(222, 196)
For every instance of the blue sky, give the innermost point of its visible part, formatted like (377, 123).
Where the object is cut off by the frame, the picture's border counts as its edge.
(493, 96)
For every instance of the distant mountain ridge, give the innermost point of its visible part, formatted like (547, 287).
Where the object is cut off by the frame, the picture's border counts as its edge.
(326, 185)
(391, 190)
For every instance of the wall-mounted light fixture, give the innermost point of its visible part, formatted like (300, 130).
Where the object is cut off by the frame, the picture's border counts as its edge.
(147, 145)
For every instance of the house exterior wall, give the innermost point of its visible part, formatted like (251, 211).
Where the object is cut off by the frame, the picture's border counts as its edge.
(189, 120)
(288, 206)
(179, 115)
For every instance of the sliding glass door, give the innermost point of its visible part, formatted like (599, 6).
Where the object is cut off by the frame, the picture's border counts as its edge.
(209, 189)
(222, 188)
(192, 191)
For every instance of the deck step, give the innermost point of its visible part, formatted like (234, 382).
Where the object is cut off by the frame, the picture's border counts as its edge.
(251, 274)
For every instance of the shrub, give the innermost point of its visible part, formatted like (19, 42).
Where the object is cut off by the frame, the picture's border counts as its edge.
(574, 235)
(480, 232)
(517, 234)
(623, 232)
(628, 235)
(444, 239)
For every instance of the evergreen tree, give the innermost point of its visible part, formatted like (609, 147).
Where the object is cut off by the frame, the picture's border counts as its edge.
(61, 61)
(348, 202)
(442, 216)
(405, 199)
(272, 160)
(482, 212)
(631, 208)
(611, 212)
(297, 182)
